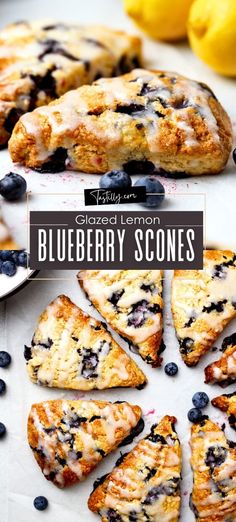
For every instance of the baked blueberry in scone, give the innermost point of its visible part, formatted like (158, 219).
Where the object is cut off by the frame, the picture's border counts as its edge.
(145, 484)
(131, 302)
(72, 350)
(227, 403)
(223, 371)
(213, 462)
(70, 438)
(40, 61)
(139, 122)
(203, 303)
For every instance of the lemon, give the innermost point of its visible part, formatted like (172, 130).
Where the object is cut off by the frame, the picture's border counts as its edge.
(160, 19)
(212, 34)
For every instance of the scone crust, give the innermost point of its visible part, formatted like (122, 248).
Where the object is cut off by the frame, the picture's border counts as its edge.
(129, 289)
(223, 371)
(203, 303)
(175, 123)
(227, 403)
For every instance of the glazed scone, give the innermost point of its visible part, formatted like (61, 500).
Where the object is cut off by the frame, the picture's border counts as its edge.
(70, 438)
(131, 302)
(137, 122)
(145, 484)
(41, 60)
(72, 350)
(203, 303)
(223, 371)
(227, 403)
(213, 462)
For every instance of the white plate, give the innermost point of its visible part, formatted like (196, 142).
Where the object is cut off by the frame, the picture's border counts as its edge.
(11, 285)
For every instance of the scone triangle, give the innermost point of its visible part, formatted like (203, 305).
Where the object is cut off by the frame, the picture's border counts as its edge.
(213, 462)
(203, 303)
(131, 302)
(227, 403)
(69, 438)
(223, 371)
(145, 485)
(72, 350)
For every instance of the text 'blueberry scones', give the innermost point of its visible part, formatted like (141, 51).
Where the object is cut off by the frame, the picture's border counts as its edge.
(69, 438)
(214, 469)
(140, 121)
(40, 61)
(145, 484)
(227, 403)
(223, 371)
(131, 302)
(72, 350)
(203, 303)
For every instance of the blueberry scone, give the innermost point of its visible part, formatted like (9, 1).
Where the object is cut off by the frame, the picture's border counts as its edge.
(203, 303)
(72, 350)
(223, 371)
(227, 403)
(131, 302)
(70, 438)
(145, 484)
(40, 61)
(139, 122)
(213, 462)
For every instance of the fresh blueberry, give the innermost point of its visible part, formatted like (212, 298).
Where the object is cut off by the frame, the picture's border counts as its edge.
(152, 184)
(20, 257)
(200, 400)
(195, 415)
(6, 255)
(8, 268)
(234, 155)
(12, 186)
(2, 430)
(115, 179)
(5, 359)
(2, 387)
(40, 503)
(171, 369)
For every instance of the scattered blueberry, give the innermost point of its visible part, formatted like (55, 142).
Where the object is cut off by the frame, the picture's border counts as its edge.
(152, 184)
(40, 503)
(2, 387)
(195, 415)
(115, 179)
(200, 400)
(171, 369)
(5, 359)
(8, 268)
(234, 155)
(12, 186)
(2, 430)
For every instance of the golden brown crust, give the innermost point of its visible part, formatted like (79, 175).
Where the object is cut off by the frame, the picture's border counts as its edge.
(173, 122)
(6, 241)
(70, 438)
(227, 403)
(146, 483)
(203, 303)
(223, 371)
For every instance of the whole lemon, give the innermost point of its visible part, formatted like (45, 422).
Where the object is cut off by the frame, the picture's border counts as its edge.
(212, 33)
(160, 19)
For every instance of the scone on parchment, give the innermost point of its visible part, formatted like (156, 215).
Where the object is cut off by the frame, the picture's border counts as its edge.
(145, 484)
(72, 350)
(131, 302)
(140, 121)
(203, 303)
(223, 371)
(213, 462)
(41, 60)
(70, 438)
(227, 403)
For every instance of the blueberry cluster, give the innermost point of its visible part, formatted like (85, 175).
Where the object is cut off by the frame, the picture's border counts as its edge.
(5, 361)
(10, 260)
(200, 400)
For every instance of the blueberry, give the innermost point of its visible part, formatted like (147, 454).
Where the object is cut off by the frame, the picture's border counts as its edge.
(12, 186)
(8, 268)
(5, 359)
(171, 369)
(195, 415)
(200, 400)
(40, 503)
(2, 430)
(152, 184)
(21, 258)
(2, 387)
(115, 179)
(234, 155)
(7, 255)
